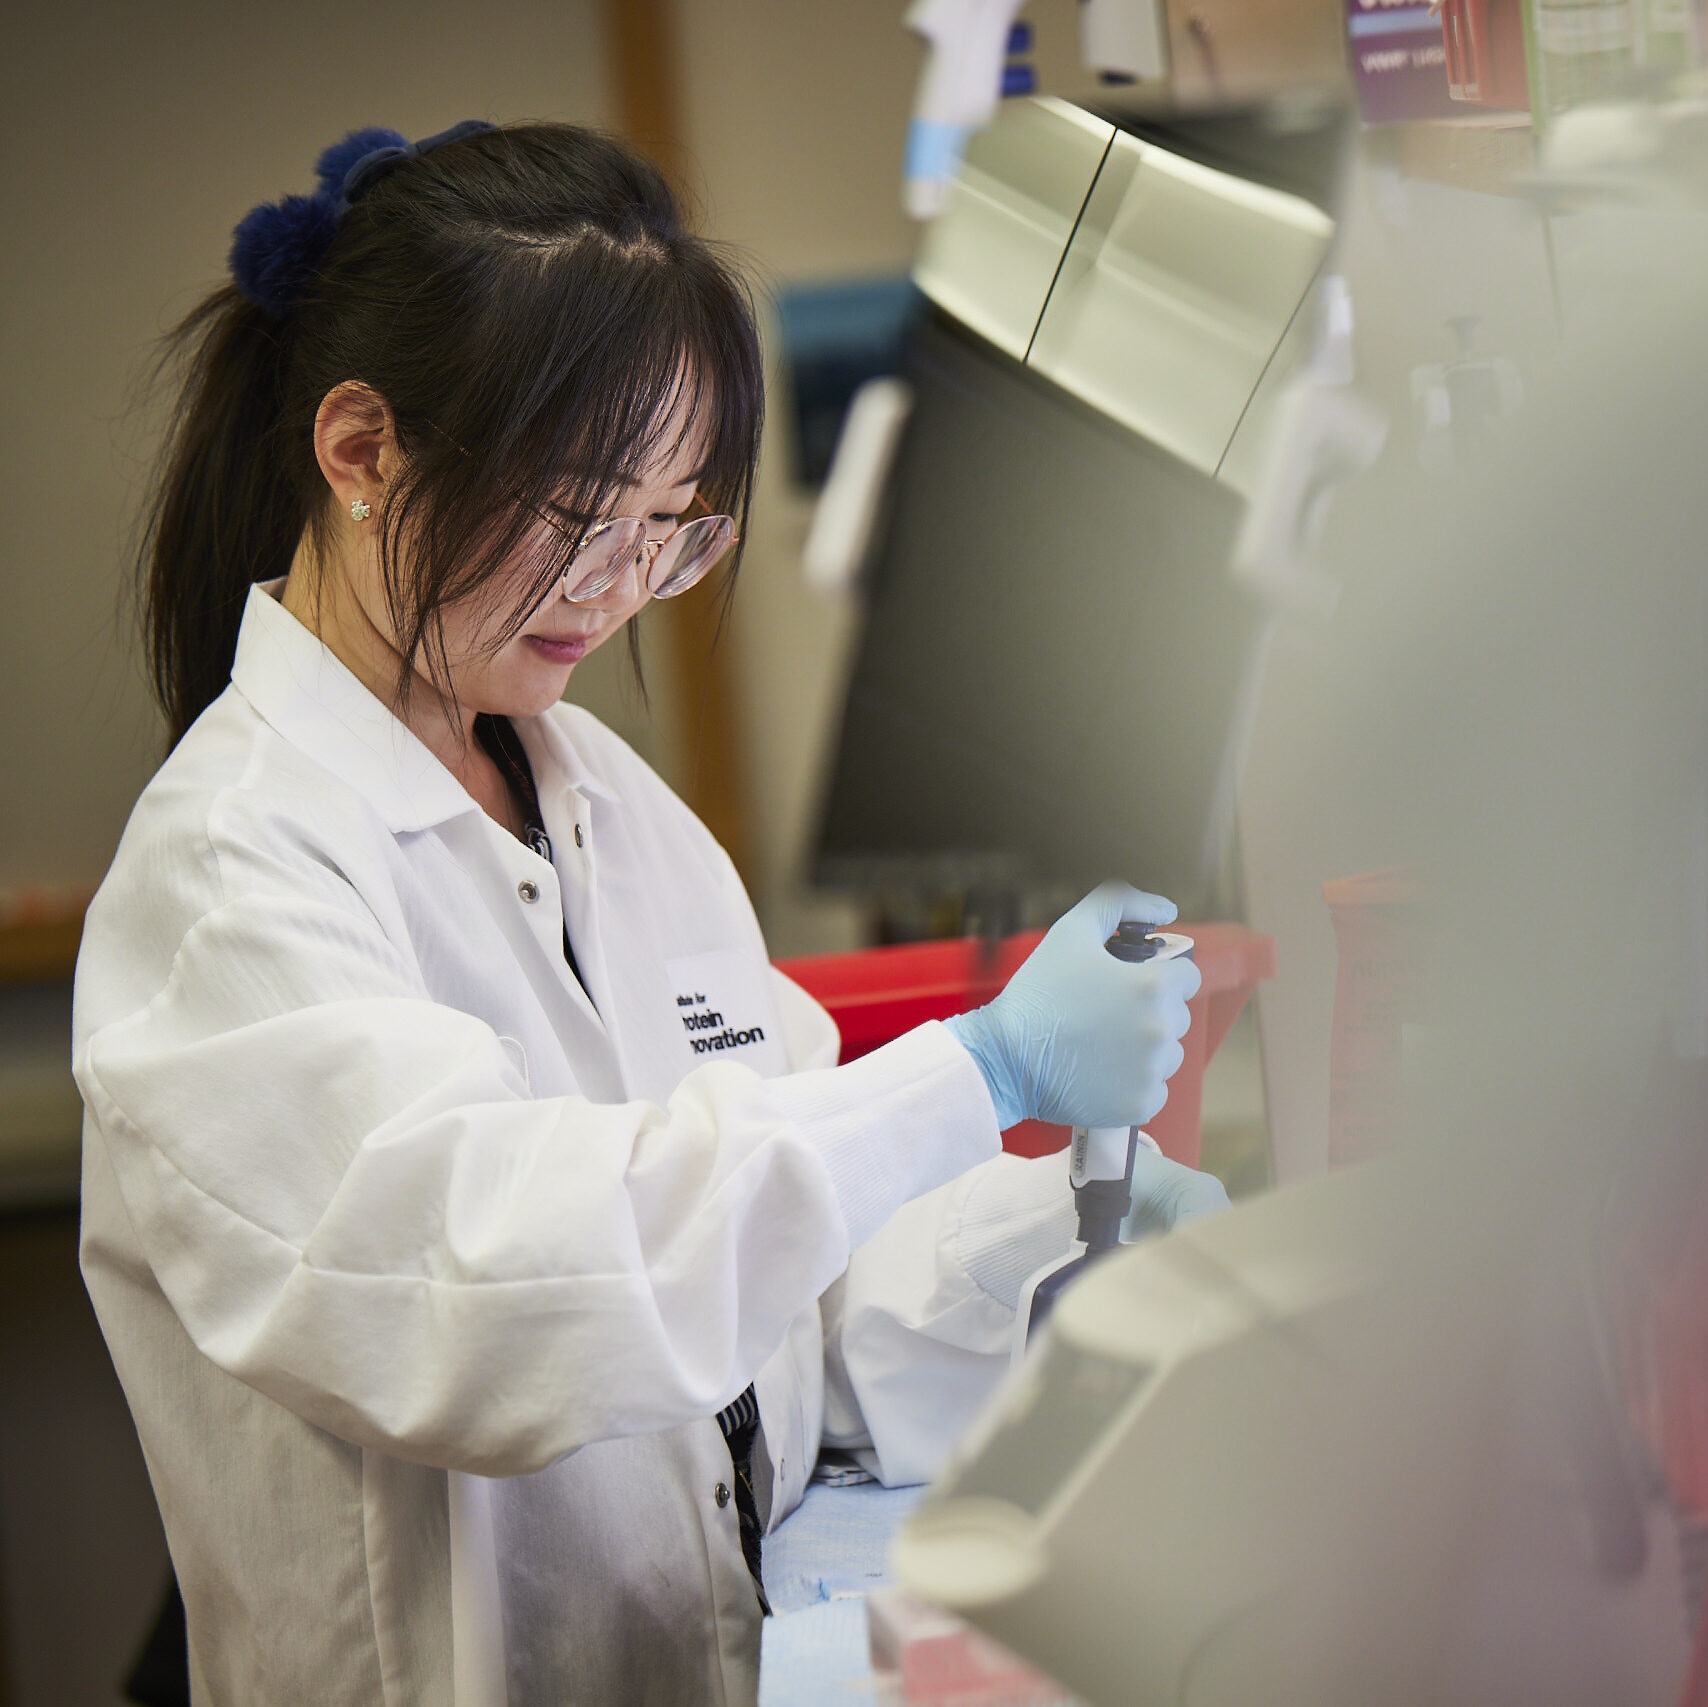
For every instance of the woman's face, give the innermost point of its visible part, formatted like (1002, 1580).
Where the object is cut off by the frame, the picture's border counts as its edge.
(341, 597)
(528, 672)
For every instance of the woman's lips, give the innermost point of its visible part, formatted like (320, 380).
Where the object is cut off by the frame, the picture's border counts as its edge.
(570, 651)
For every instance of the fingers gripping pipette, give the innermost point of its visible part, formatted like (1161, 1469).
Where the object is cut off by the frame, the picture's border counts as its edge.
(1100, 1166)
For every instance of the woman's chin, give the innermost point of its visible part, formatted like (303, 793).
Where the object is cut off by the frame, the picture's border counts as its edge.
(527, 678)
(540, 692)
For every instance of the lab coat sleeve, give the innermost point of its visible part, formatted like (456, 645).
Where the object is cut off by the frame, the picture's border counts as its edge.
(810, 1037)
(351, 1202)
(921, 1328)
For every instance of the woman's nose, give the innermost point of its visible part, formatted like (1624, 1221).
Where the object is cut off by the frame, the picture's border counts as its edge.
(629, 588)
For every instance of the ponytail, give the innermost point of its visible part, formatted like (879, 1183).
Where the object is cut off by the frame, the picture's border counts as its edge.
(226, 510)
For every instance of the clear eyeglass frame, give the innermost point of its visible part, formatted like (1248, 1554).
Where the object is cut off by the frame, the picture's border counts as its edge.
(668, 566)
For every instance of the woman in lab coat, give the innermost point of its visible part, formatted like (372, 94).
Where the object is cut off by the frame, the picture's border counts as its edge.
(484, 1234)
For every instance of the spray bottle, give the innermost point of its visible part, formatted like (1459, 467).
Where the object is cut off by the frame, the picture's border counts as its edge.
(1100, 1168)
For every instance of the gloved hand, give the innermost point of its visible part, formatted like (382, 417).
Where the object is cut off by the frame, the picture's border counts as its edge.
(1168, 1194)
(1077, 1036)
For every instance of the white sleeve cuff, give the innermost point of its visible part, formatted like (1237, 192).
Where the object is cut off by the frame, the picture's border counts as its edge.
(899, 1122)
(1016, 1216)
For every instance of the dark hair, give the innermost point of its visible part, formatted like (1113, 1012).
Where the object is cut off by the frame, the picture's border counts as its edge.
(530, 305)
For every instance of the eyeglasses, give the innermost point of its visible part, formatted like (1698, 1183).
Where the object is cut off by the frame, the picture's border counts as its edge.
(666, 566)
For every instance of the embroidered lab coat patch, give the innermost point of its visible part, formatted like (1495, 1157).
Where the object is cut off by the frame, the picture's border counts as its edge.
(723, 1006)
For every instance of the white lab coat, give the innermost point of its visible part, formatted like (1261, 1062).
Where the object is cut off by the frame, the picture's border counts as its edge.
(426, 1277)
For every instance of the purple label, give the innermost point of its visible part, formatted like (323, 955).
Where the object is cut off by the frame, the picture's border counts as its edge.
(1399, 61)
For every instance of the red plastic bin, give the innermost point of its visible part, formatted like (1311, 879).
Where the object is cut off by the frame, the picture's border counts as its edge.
(878, 993)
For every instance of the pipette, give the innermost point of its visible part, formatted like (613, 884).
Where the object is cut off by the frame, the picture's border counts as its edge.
(1100, 1166)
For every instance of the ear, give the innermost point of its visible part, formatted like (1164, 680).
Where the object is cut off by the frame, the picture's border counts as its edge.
(355, 443)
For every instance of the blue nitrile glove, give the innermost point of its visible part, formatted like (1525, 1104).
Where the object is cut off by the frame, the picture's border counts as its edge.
(1076, 1036)
(1168, 1194)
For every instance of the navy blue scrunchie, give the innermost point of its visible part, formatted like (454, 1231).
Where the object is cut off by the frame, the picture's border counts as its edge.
(278, 245)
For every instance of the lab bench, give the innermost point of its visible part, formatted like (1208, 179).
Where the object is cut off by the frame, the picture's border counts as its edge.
(823, 1561)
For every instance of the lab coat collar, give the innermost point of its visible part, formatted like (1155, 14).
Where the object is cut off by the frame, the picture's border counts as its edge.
(553, 757)
(317, 704)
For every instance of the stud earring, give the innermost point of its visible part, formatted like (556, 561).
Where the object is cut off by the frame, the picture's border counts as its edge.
(359, 510)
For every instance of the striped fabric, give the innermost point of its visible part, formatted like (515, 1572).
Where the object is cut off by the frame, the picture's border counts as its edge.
(740, 1422)
(739, 1413)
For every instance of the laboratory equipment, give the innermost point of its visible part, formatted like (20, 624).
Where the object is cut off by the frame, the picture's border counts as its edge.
(1321, 1450)
(1485, 52)
(1367, 1438)
(839, 542)
(1124, 41)
(959, 87)
(1084, 1525)
(967, 44)
(1055, 670)
(1100, 1167)
(1050, 662)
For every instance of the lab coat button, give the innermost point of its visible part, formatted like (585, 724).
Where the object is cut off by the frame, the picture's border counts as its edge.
(721, 1494)
(529, 890)
(579, 838)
